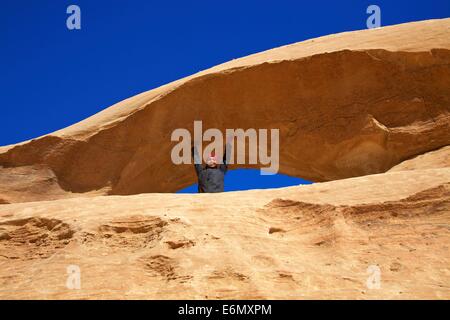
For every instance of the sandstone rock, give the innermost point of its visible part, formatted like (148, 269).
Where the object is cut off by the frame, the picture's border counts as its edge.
(346, 105)
(434, 159)
(367, 109)
(332, 233)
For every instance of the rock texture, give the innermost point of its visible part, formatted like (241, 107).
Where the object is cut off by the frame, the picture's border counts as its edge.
(367, 109)
(346, 105)
(312, 241)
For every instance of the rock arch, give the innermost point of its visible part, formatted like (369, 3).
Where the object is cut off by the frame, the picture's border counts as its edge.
(343, 110)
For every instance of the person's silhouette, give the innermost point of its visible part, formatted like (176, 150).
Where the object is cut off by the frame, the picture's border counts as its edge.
(211, 176)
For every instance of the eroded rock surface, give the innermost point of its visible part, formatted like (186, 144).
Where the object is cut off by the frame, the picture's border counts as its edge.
(312, 241)
(346, 105)
(368, 110)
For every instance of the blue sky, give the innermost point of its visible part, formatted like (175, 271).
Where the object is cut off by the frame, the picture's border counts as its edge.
(52, 77)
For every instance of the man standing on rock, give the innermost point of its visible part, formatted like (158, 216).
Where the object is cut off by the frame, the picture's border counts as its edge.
(211, 176)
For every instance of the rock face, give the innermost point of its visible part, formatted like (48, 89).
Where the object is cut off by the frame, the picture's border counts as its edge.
(346, 105)
(317, 241)
(367, 109)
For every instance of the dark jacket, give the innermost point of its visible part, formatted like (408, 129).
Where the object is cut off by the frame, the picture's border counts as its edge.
(210, 179)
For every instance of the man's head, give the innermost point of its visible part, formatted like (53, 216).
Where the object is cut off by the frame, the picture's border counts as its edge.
(211, 161)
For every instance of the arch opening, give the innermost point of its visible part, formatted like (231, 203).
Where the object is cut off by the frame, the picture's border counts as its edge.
(250, 179)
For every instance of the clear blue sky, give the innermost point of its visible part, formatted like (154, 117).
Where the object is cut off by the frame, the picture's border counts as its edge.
(51, 77)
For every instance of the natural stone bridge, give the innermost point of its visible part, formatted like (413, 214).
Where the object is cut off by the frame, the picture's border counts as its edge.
(346, 105)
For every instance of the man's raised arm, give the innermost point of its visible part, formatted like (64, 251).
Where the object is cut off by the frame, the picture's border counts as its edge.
(226, 157)
(197, 160)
